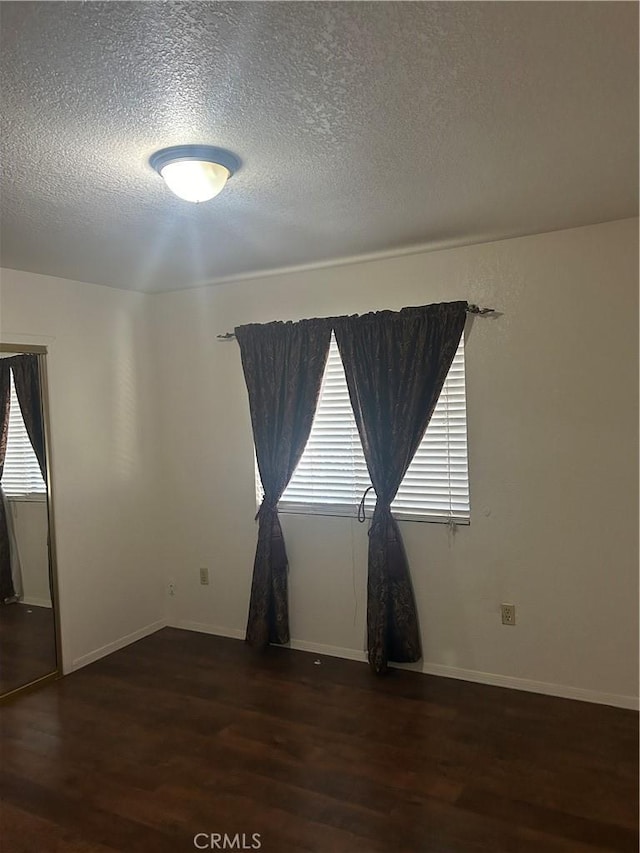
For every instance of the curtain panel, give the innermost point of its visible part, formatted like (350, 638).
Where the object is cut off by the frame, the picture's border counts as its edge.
(26, 378)
(7, 591)
(283, 366)
(395, 365)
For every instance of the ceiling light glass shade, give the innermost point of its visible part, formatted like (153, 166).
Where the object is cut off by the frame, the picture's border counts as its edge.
(195, 180)
(194, 172)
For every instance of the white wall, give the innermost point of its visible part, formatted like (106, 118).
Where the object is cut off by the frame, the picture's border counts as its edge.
(153, 462)
(552, 408)
(104, 453)
(30, 527)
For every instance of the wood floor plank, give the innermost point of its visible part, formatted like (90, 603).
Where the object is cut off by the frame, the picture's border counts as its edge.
(184, 733)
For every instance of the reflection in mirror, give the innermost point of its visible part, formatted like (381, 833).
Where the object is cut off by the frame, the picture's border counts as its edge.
(27, 606)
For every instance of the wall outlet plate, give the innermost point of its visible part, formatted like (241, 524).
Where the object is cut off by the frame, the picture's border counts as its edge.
(508, 614)
(204, 577)
(171, 588)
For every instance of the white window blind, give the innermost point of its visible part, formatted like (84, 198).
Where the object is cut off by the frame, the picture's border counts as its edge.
(332, 474)
(21, 476)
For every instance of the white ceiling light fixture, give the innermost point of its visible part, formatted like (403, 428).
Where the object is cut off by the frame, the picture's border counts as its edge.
(195, 172)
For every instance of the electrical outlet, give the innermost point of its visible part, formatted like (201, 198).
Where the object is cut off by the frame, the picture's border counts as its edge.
(508, 614)
(171, 588)
(204, 577)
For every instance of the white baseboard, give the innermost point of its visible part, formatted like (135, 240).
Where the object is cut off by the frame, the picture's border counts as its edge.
(562, 691)
(330, 651)
(95, 655)
(205, 628)
(513, 683)
(33, 601)
(238, 634)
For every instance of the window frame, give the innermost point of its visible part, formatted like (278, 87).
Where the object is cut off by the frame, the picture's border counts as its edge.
(348, 510)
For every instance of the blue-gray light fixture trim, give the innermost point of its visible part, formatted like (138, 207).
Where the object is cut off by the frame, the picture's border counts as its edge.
(208, 153)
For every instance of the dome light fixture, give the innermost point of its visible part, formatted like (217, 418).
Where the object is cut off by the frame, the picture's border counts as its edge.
(195, 172)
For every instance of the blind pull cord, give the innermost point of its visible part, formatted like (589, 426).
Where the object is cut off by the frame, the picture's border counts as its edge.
(361, 513)
(452, 529)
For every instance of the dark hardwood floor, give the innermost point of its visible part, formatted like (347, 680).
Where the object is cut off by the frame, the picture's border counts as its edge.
(185, 733)
(27, 644)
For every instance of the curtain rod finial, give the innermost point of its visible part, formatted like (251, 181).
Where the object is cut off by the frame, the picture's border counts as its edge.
(475, 309)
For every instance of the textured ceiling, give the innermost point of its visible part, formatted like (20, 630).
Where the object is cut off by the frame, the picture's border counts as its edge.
(361, 127)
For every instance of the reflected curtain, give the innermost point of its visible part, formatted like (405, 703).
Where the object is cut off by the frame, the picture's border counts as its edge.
(7, 591)
(26, 378)
(283, 366)
(395, 365)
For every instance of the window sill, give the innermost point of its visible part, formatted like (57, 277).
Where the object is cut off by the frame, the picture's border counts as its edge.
(352, 512)
(36, 497)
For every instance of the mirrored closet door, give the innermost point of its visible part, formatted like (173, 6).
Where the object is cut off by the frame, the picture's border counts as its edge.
(29, 627)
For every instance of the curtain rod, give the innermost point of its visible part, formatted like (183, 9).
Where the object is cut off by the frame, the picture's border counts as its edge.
(471, 309)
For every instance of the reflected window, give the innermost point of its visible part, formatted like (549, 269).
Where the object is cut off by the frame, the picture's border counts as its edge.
(21, 477)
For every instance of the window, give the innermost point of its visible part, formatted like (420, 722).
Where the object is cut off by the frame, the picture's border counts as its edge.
(332, 474)
(21, 476)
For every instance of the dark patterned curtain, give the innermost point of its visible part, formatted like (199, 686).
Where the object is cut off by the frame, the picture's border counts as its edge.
(6, 581)
(283, 365)
(395, 364)
(26, 378)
